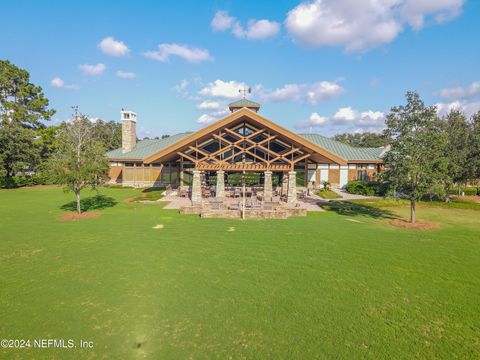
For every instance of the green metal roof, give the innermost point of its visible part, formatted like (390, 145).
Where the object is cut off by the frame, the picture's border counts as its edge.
(343, 150)
(145, 148)
(244, 103)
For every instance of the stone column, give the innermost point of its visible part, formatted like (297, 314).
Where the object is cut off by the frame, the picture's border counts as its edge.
(267, 184)
(292, 187)
(220, 193)
(284, 183)
(196, 187)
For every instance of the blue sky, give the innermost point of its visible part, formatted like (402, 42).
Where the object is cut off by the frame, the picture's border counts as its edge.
(325, 66)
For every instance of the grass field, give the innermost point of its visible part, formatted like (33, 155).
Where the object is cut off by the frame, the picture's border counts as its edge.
(328, 194)
(340, 284)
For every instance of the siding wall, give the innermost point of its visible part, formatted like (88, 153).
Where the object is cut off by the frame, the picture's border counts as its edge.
(144, 176)
(355, 171)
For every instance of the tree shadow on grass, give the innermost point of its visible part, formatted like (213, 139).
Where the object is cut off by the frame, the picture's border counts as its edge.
(97, 202)
(352, 209)
(150, 189)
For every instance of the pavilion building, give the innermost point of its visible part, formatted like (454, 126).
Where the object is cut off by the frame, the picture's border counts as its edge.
(242, 142)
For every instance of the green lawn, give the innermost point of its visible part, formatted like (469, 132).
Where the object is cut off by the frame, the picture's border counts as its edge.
(328, 194)
(340, 284)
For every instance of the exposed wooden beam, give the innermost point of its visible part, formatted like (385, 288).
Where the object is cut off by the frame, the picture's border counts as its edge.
(187, 157)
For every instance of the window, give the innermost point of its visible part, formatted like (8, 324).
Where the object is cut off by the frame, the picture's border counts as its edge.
(362, 175)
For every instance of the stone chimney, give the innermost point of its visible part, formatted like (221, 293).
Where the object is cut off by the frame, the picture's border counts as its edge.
(129, 130)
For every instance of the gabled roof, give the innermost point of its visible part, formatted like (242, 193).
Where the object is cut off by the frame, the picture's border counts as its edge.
(252, 116)
(146, 148)
(149, 150)
(346, 151)
(244, 103)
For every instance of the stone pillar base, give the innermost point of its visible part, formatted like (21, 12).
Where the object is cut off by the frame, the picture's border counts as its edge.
(292, 187)
(196, 188)
(267, 184)
(284, 183)
(220, 187)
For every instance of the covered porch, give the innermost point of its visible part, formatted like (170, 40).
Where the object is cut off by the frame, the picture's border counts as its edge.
(244, 164)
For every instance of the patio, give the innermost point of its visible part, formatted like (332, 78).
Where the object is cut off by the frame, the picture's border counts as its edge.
(254, 205)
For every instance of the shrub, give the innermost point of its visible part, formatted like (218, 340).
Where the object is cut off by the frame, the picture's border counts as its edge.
(21, 181)
(361, 187)
(326, 185)
(467, 190)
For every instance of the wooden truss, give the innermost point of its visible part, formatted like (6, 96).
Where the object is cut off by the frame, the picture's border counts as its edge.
(244, 147)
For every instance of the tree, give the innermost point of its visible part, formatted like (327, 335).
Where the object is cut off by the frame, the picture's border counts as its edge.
(109, 133)
(473, 157)
(366, 139)
(20, 100)
(79, 161)
(18, 152)
(457, 149)
(46, 141)
(415, 165)
(22, 107)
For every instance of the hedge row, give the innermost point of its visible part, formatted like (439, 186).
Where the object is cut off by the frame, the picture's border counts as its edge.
(375, 188)
(20, 181)
(469, 191)
(366, 188)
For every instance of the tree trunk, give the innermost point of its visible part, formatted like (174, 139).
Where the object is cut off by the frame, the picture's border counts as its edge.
(412, 211)
(79, 209)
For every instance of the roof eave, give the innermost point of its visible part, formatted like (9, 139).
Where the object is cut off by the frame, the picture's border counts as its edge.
(256, 117)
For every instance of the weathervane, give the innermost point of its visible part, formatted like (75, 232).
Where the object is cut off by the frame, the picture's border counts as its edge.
(245, 91)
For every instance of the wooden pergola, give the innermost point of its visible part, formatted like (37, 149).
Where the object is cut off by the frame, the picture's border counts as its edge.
(243, 141)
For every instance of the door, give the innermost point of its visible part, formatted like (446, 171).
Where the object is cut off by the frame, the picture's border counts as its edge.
(343, 177)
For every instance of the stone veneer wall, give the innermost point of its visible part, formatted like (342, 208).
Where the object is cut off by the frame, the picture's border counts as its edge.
(196, 187)
(267, 184)
(220, 184)
(292, 187)
(129, 135)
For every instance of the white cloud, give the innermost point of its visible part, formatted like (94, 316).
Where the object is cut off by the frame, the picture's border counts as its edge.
(225, 89)
(93, 70)
(361, 25)
(113, 47)
(190, 54)
(311, 93)
(316, 119)
(182, 87)
(255, 30)
(59, 83)
(221, 113)
(469, 108)
(349, 119)
(323, 90)
(209, 105)
(288, 92)
(125, 74)
(222, 21)
(415, 11)
(205, 119)
(460, 93)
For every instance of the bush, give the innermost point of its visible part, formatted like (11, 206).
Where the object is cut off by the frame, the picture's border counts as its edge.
(21, 181)
(468, 190)
(361, 187)
(326, 185)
